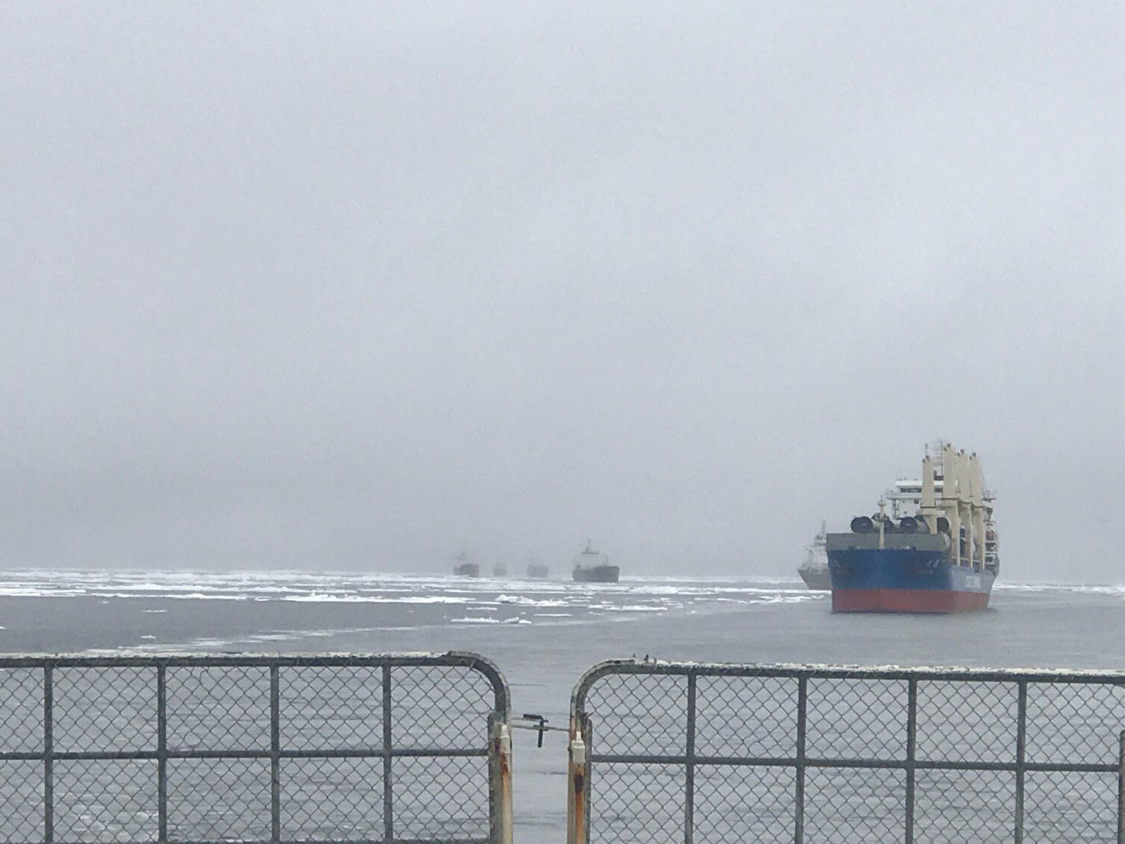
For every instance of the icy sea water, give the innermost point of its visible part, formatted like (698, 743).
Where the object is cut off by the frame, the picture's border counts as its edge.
(544, 634)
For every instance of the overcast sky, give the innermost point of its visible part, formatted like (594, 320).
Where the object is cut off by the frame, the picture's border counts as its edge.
(358, 285)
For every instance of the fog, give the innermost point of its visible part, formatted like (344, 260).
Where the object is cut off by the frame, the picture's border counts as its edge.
(356, 286)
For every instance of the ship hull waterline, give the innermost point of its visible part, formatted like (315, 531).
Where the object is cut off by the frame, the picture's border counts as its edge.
(905, 581)
(597, 574)
(818, 580)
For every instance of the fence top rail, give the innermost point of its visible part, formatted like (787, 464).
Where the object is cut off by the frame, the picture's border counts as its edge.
(449, 659)
(656, 667)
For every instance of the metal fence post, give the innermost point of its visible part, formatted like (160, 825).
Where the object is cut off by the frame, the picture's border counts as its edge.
(799, 772)
(1021, 758)
(388, 759)
(48, 753)
(1121, 788)
(275, 753)
(911, 755)
(500, 764)
(689, 765)
(576, 783)
(161, 752)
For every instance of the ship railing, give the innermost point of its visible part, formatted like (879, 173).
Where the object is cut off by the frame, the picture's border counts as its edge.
(359, 748)
(686, 752)
(417, 747)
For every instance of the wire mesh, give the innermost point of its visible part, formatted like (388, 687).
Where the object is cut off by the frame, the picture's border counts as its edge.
(21, 710)
(213, 707)
(638, 800)
(259, 749)
(958, 806)
(219, 800)
(692, 752)
(1069, 807)
(332, 707)
(767, 725)
(440, 706)
(441, 798)
(734, 804)
(1074, 724)
(332, 799)
(986, 716)
(21, 793)
(104, 709)
(642, 714)
(855, 804)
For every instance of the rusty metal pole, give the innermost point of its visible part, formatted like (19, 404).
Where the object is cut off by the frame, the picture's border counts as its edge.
(576, 784)
(500, 744)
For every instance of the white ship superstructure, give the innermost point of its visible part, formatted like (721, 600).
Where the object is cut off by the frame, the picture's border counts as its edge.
(814, 570)
(952, 497)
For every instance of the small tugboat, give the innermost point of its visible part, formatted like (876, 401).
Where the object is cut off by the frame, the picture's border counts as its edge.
(934, 550)
(593, 567)
(463, 566)
(536, 569)
(500, 570)
(814, 570)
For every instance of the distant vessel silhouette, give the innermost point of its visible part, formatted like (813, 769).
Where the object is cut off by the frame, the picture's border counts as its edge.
(814, 570)
(593, 567)
(463, 566)
(536, 569)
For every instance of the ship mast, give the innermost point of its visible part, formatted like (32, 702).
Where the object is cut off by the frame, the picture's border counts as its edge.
(963, 501)
(928, 505)
(976, 497)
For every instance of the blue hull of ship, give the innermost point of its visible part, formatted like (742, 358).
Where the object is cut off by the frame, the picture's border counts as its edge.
(904, 580)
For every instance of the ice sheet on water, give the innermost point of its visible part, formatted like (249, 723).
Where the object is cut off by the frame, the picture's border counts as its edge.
(527, 601)
(490, 620)
(325, 598)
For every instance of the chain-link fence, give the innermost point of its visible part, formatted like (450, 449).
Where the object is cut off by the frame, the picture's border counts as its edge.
(684, 752)
(197, 749)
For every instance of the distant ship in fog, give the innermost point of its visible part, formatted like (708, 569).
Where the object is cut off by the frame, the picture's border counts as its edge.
(463, 566)
(814, 570)
(593, 567)
(536, 569)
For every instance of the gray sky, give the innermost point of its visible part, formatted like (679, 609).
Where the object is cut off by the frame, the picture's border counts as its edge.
(351, 285)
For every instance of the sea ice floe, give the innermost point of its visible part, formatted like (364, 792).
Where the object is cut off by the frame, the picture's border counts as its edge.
(473, 620)
(525, 601)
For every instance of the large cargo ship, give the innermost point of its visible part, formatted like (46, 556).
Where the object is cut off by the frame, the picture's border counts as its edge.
(593, 567)
(814, 570)
(931, 547)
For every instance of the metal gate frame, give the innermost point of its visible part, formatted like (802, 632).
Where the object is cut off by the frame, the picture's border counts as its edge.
(584, 756)
(497, 750)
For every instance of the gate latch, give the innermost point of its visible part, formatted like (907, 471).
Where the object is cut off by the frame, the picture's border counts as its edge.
(534, 722)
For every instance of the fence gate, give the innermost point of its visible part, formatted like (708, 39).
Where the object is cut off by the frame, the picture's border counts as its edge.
(384, 748)
(689, 752)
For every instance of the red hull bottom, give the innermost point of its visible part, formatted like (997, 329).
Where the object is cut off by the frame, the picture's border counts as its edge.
(907, 600)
